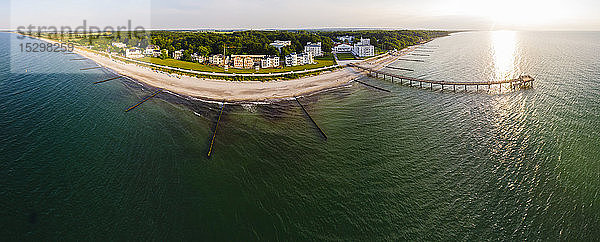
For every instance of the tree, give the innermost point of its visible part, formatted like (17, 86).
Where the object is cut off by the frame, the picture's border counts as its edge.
(203, 50)
(285, 51)
(164, 54)
(187, 55)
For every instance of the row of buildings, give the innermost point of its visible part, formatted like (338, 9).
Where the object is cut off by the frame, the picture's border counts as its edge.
(363, 48)
(311, 50)
(252, 61)
(135, 53)
(235, 61)
(256, 61)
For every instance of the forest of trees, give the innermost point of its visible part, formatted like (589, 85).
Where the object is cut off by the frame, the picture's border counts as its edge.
(389, 39)
(245, 42)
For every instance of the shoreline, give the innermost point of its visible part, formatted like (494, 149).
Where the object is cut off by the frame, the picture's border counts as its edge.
(233, 91)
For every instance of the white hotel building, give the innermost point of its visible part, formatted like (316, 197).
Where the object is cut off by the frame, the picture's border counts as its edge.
(342, 48)
(346, 39)
(177, 54)
(134, 53)
(152, 50)
(269, 62)
(119, 45)
(363, 48)
(314, 49)
(294, 59)
(280, 44)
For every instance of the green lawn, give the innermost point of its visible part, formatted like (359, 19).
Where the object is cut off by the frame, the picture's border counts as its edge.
(181, 64)
(321, 62)
(345, 56)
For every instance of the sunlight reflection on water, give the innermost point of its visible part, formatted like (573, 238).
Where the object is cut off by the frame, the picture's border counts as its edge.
(504, 49)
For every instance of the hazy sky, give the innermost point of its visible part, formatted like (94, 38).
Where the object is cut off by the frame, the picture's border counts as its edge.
(260, 14)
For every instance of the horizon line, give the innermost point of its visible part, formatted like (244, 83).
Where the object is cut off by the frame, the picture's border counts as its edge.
(334, 29)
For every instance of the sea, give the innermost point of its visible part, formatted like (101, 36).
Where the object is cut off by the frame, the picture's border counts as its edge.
(410, 164)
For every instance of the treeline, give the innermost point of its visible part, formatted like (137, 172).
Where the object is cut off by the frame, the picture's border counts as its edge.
(244, 42)
(390, 39)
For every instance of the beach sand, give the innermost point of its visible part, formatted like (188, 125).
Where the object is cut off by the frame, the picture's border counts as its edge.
(223, 90)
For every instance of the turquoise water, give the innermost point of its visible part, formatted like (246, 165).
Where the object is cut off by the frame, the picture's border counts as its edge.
(407, 165)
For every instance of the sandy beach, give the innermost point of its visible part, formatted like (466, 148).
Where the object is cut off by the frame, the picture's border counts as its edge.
(223, 90)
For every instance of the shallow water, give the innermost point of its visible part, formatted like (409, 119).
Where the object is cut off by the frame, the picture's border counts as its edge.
(412, 164)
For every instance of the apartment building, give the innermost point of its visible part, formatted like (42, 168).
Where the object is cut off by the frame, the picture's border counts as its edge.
(134, 53)
(342, 48)
(198, 58)
(363, 48)
(269, 62)
(152, 50)
(178, 54)
(246, 61)
(294, 59)
(314, 49)
(218, 60)
(280, 44)
(119, 45)
(346, 39)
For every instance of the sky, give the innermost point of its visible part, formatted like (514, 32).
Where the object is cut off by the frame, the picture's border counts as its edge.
(557, 15)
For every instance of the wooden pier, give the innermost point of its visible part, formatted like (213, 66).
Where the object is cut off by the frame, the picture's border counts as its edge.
(418, 54)
(402, 59)
(524, 81)
(212, 141)
(110, 79)
(311, 119)
(143, 101)
(78, 59)
(399, 68)
(371, 86)
(90, 68)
